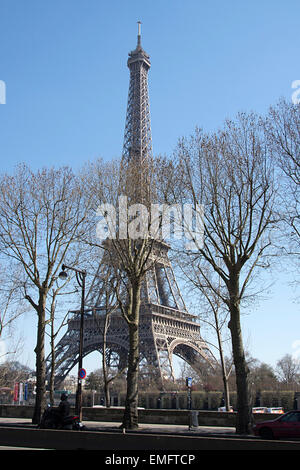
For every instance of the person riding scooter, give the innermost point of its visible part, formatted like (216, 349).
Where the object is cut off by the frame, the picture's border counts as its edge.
(59, 417)
(59, 414)
(63, 409)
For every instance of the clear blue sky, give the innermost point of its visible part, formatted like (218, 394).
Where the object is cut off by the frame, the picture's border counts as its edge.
(64, 66)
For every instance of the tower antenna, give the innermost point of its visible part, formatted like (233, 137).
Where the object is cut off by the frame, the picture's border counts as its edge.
(139, 32)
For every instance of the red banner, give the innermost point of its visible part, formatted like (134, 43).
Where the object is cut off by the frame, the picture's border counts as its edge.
(16, 392)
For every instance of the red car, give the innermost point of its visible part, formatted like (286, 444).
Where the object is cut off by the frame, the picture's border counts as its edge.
(286, 425)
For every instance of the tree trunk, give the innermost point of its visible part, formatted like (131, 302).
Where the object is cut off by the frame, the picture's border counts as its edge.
(104, 365)
(243, 424)
(52, 368)
(107, 395)
(225, 378)
(223, 366)
(40, 400)
(130, 418)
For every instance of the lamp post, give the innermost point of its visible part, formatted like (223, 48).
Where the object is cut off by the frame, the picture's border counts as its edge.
(80, 277)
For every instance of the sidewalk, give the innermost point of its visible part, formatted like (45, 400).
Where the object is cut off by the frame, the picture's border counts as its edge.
(143, 428)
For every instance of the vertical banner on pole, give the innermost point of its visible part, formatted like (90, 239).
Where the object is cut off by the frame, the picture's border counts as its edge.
(26, 392)
(21, 393)
(16, 392)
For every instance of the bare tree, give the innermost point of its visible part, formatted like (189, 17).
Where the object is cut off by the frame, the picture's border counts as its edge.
(13, 371)
(133, 259)
(54, 328)
(42, 216)
(127, 251)
(263, 376)
(229, 175)
(215, 313)
(288, 370)
(12, 306)
(110, 304)
(282, 127)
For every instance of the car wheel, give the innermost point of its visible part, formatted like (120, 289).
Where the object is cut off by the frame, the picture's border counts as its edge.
(266, 433)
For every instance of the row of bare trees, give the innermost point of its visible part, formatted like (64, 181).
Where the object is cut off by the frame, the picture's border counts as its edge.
(42, 216)
(245, 180)
(263, 377)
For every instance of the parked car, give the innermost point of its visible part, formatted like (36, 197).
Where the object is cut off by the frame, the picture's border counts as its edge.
(277, 409)
(286, 425)
(223, 408)
(259, 409)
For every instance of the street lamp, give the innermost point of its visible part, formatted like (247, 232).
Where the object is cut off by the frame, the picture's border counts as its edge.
(80, 277)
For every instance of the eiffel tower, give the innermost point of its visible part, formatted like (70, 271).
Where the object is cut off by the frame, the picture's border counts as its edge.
(166, 327)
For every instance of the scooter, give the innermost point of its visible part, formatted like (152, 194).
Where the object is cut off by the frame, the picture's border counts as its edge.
(50, 420)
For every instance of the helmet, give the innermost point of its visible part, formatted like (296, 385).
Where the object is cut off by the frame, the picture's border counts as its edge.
(64, 396)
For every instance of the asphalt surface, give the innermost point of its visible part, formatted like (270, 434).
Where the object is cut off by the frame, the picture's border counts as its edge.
(143, 428)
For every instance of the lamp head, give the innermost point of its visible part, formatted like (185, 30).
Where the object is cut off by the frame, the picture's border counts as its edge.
(63, 275)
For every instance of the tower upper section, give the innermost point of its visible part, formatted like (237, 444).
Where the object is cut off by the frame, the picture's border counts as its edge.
(137, 137)
(138, 57)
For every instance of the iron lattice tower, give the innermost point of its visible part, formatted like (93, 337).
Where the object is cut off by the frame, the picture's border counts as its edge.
(166, 328)
(137, 137)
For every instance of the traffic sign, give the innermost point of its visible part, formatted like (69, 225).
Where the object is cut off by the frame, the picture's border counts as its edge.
(82, 373)
(189, 381)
